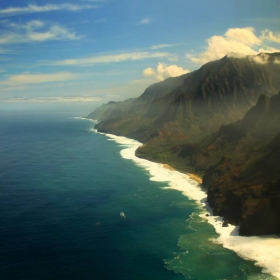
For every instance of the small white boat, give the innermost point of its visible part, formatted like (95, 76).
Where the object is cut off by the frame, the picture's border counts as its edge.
(123, 215)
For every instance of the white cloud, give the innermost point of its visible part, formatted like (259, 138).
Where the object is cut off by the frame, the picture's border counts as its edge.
(33, 8)
(164, 71)
(264, 58)
(33, 24)
(25, 79)
(241, 41)
(54, 33)
(162, 46)
(149, 72)
(144, 21)
(270, 36)
(245, 36)
(111, 58)
(269, 50)
(261, 59)
(236, 55)
(35, 31)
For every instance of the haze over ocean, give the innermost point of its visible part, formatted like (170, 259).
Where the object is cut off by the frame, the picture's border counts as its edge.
(63, 187)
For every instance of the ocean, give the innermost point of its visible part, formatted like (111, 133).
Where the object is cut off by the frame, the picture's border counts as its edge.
(62, 189)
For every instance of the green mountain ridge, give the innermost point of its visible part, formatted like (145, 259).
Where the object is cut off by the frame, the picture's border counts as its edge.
(199, 102)
(215, 122)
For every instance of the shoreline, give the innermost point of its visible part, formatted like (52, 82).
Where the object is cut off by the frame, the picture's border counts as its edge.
(192, 176)
(264, 251)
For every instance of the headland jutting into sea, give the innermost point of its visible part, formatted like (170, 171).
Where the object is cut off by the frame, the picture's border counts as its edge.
(219, 122)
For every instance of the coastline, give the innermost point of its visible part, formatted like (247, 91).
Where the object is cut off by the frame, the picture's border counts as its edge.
(192, 176)
(195, 178)
(264, 251)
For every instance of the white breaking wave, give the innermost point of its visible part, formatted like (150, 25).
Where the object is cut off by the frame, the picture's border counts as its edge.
(263, 250)
(81, 118)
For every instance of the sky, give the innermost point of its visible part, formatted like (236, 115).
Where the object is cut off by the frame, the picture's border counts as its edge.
(94, 51)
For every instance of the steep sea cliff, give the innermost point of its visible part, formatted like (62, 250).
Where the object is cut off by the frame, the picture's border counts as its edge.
(197, 125)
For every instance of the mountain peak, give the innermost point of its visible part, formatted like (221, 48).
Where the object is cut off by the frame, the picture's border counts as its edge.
(235, 55)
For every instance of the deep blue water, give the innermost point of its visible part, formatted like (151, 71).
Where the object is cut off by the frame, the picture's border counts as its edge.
(62, 188)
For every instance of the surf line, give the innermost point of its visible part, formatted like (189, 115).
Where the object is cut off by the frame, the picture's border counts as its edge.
(264, 251)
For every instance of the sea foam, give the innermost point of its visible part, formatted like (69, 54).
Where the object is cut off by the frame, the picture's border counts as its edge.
(263, 250)
(81, 118)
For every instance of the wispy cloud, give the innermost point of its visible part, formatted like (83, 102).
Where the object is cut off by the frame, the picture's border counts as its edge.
(27, 79)
(111, 58)
(35, 31)
(270, 36)
(51, 99)
(145, 21)
(162, 46)
(33, 8)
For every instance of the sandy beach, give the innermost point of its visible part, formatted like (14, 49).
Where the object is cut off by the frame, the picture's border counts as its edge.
(195, 178)
(192, 176)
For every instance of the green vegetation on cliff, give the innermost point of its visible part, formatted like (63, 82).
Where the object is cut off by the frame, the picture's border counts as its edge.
(196, 123)
(196, 104)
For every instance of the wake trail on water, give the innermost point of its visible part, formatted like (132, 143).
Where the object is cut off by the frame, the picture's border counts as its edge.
(263, 250)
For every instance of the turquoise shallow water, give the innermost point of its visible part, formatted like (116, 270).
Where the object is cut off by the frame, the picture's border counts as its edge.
(62, 190)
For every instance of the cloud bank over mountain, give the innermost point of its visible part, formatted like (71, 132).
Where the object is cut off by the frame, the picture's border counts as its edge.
(243, 41)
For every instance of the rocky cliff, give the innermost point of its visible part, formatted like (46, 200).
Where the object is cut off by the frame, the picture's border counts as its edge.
(196, 123)
(244, 183)
(197, 103)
